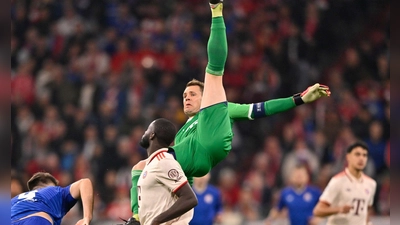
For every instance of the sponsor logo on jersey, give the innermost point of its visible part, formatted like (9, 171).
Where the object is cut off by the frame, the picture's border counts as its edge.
(191, 125)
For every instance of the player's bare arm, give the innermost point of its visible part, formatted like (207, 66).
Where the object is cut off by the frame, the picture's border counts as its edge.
(273, 215)
(324, 209)
(186, 201)
(83, 189)
(370, 209)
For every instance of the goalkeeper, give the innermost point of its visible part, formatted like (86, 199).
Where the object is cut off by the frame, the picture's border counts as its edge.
(206, 138)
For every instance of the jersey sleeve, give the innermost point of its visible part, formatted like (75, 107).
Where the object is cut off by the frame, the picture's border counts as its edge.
(371, 200)
(171, 174)
(281, 202)
(67, 200)
(218, 204)
(240, 111)
(331, 191)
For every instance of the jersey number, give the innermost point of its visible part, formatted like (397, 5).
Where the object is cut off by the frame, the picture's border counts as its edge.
(28, 195)
(139, 189)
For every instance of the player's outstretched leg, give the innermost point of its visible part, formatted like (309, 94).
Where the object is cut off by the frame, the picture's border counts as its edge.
(217, 50)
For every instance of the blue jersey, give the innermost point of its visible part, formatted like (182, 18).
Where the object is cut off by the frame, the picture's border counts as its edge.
(300, 205)
(53, 200)
(209, 205)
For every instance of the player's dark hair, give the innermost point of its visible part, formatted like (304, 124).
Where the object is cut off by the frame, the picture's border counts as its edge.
(357, 144)
(41, 178)
(165, 131)
(195, 82)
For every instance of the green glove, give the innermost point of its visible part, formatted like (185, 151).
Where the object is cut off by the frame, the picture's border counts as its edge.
(312, 93)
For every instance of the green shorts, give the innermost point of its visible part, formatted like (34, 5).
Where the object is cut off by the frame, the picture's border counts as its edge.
(208, 142)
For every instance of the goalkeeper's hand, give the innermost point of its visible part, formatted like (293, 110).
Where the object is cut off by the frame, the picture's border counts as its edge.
(131, 221)
(312, 93)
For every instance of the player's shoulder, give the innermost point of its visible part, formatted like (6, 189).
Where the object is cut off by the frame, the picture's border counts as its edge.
(213, 189)
(286, 190)
(369, 180)
(165, 159)
(339, 177)
(158, 156)
(314, 189)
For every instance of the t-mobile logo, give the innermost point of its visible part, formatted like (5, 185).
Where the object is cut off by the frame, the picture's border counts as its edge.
(358, 205)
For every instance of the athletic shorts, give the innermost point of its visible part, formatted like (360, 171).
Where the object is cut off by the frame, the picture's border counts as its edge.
(209, 144)
(34, 220)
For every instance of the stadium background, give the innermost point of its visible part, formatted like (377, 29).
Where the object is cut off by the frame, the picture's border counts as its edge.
(89, 76)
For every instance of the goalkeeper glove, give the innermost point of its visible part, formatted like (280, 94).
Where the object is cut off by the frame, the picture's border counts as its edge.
(311, 94)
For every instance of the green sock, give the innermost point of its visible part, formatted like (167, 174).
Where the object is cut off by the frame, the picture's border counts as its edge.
(217, 47)
(134, 195)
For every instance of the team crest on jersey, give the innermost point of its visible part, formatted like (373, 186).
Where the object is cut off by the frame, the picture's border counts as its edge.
(307, 197)
(289, 198)
(144, 174)
(367, 191)
(208, 199)
(174, 175)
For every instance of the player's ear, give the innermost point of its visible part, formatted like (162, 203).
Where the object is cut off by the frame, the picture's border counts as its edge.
(152, 136)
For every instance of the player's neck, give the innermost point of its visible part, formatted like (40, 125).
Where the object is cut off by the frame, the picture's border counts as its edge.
(154, 147)
(354, 172)
(300, 188)
(200, 188)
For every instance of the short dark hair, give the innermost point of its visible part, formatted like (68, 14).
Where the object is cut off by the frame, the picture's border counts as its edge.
(357, 144)
(195, 82)
(165, 131)
(41, 178)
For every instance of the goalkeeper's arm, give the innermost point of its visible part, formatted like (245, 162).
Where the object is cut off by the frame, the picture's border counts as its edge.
(274, 106)
(136, 171)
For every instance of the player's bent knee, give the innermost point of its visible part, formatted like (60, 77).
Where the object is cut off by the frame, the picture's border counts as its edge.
(140, 165)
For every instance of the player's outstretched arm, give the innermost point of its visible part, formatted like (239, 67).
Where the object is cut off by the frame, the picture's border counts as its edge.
(273, 215)
(83, 189)
(186, 201)
(323, 209)
(274, 106)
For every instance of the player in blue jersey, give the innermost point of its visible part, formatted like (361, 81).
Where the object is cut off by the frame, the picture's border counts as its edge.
(209, 205)
(46, 203)
(299, 199)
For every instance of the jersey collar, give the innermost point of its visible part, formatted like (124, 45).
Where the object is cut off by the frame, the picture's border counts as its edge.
(152, 156)
(353, 178)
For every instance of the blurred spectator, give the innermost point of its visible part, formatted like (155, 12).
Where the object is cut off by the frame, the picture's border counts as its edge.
(17, 186)
(376, 146)
(301, 154)
(94, 59)
(227, 183)
(69, 21)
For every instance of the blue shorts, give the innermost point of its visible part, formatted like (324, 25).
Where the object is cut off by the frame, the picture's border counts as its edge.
(34, 220)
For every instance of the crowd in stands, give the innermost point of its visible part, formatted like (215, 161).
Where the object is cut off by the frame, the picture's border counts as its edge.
(89, 76)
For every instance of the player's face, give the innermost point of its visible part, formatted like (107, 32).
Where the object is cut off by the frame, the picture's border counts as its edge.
(299, 177)
(145, 141)
(192, 100)
(357, 158)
